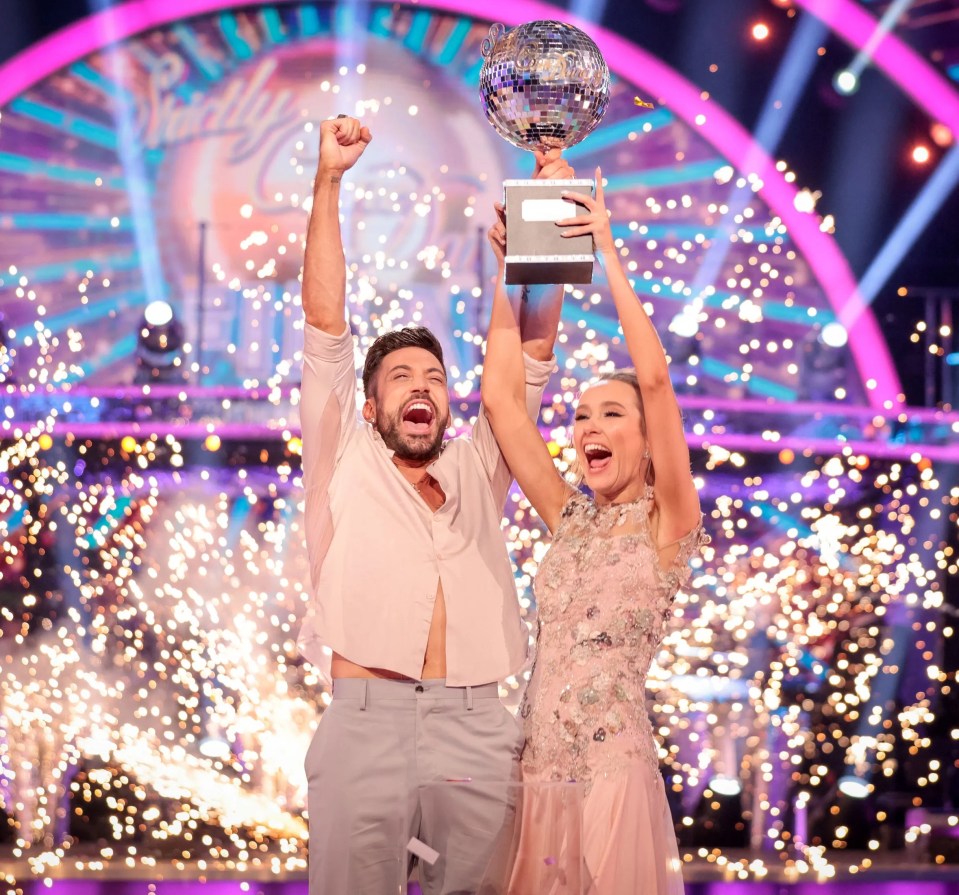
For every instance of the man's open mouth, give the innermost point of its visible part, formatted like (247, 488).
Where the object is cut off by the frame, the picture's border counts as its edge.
(597, 456)
(418, 417)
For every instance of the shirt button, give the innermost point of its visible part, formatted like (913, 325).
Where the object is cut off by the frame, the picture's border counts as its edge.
(420, 688)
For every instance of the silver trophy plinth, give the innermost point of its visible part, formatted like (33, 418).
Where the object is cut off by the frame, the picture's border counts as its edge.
(543, 85)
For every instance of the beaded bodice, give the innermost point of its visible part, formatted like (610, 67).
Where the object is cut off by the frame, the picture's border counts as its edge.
(603, 599)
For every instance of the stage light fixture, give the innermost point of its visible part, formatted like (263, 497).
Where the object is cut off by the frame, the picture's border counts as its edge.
(846, 82)
(718, 821)
(824, 366)
(685, 324)
(6, 357)
(682, 345)
(921, 154)
(7, 354)
(854, 787)
(805, 201)
(834, 335)
(844, 817)
(158, 313)
(215, 747)
(159, 346)
(726, 786)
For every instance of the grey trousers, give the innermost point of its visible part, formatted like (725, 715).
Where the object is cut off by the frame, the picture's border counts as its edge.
(376, 770)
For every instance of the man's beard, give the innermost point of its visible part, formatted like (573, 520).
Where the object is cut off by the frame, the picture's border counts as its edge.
(409, 447)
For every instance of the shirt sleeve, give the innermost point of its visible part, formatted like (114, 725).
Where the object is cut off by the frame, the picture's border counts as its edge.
(483, 441)
(327, 420)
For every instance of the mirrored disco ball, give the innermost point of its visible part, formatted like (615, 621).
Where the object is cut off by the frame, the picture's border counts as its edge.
(543, 84)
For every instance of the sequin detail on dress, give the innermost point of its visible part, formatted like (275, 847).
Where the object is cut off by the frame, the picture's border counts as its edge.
(603, 602)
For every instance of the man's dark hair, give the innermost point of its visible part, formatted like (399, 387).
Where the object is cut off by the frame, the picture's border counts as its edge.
(407, 337)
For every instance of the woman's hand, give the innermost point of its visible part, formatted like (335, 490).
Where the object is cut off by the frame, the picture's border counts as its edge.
(595, 222)
(497, 235)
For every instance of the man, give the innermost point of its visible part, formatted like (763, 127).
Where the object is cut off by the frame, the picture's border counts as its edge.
(414, 614)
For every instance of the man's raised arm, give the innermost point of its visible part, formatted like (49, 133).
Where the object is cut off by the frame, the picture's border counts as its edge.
(535, 326)
(542, 306)
(342, 141)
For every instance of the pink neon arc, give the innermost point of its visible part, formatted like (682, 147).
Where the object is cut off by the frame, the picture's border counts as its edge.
(735, 143)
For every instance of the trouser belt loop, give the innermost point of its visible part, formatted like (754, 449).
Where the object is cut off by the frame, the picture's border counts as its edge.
(469, 699)
(365, 697)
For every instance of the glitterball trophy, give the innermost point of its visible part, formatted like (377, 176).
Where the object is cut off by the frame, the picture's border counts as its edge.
(543, 85)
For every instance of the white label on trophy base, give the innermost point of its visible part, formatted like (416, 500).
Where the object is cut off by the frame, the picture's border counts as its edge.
(548, 209)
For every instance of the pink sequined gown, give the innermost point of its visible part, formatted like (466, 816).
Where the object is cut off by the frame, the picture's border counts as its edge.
(603, 601)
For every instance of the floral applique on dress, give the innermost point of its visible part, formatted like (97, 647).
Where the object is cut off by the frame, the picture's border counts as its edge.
(603, 602)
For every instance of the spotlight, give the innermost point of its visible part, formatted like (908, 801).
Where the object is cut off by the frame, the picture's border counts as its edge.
(854, 787)
(685, 324)
(8, 825)
(834, 335)
(844, 816)
(824, 367)
(681, 343)
(718, 821)
(921, 154)
(760, 31)
(95, 804)
(158, 313)
(215, 747)
(6, 364)
(726, 786)
(159, 344)
(805, 201)
(846, 82)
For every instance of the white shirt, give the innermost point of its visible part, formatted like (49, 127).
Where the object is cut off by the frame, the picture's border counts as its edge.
(377, 551)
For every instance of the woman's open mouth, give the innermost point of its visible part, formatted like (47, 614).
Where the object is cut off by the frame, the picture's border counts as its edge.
(597, 456)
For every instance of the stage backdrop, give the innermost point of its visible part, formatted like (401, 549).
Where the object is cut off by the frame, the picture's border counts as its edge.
(154, 155)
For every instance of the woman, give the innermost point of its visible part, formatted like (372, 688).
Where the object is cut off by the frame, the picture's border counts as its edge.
(604, 591)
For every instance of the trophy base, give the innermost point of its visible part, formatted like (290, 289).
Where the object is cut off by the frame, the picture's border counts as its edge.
(527, 270)
(536, 250)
